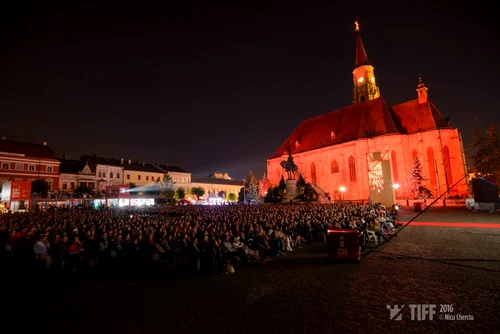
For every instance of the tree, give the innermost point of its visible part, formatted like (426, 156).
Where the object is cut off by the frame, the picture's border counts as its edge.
(81, 191)
(180, 193)
(264, 185)
(486, 161)
(241, 195)
(167, 190)
(273, 195)
(416, 178)
(40, 187)
(282, 184)
(198, 192)
(232, 197)
(301, 183)
(132, 185)
(253, 192)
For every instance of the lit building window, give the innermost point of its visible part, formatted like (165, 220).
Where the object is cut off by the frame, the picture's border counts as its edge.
(111, 174)
(128, 176)
(49, 169)
(313, 173)
(103, 174)
(5, 165)
(19, 166)
(334, 167)
(72, 185)
(117, 175)
(394, 167)
(147, 177)
(432, 166)
(65, 186)
(447, 165)
(352, 169)
(138, 177)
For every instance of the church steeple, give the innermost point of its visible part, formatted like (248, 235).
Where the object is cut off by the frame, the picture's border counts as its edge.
(361, 57)
(423, 97)
(365, 88)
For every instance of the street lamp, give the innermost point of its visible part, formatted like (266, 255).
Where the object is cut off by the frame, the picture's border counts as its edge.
(396, 187)
(342, 190)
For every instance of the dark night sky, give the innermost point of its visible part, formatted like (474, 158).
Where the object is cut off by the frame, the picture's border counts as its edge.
(220, 88)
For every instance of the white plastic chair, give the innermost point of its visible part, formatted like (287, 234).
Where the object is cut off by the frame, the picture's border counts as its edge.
(372, 236)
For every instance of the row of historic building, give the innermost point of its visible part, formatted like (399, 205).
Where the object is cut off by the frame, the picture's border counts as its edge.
(26, 161)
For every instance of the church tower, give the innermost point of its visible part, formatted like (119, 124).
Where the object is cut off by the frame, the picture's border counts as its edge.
(365, 88)
(423, 97)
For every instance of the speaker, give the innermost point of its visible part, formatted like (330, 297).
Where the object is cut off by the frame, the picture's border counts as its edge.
(484, 191)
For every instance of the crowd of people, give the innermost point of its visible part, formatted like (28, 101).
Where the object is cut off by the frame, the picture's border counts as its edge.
(196, 239)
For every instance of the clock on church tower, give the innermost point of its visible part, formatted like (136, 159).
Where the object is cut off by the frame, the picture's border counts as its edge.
(365, 87)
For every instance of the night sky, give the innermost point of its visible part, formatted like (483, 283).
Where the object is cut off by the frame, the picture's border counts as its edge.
(220, 88)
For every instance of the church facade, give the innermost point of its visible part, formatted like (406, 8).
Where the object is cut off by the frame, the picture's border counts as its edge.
(366, 150)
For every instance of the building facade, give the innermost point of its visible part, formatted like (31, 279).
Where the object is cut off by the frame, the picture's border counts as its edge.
(76, 173)
(366, 150)
(26, 161)
(109, 172)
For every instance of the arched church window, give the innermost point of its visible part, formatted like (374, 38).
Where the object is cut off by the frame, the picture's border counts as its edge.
(334, 166)
(313, 173)
(432, 166)
(447, 165)
(111, 174)
(394, 167)
(352, 169)
(414, 155)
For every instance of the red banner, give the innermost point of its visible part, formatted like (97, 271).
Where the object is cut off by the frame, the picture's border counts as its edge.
(20, 190)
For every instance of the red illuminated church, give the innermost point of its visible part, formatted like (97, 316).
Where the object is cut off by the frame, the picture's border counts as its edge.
(367, 149)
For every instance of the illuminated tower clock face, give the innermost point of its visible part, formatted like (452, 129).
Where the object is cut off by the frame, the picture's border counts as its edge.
(361, 79)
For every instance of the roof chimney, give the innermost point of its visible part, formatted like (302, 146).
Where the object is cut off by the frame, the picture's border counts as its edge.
(121, 161)
(129, 161)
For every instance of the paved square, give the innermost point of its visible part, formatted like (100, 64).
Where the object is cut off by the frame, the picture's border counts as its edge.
(296, 293)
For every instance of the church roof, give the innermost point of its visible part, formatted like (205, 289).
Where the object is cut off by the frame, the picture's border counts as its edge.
(362, 120)
(413, 117)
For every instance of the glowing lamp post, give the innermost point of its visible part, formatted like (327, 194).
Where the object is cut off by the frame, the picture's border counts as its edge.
(396, 187)
(342, 191)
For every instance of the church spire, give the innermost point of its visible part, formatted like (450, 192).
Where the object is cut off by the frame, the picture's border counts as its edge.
(423, 97)
(361, 57)
(365, 88)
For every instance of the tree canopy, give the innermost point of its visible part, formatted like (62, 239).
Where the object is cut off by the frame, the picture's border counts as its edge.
(417, 188)
(486, 160)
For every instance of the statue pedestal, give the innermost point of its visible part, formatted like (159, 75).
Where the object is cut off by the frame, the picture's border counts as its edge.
(291, 190)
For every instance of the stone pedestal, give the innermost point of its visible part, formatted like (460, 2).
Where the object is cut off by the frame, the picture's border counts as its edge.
(291, 190)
